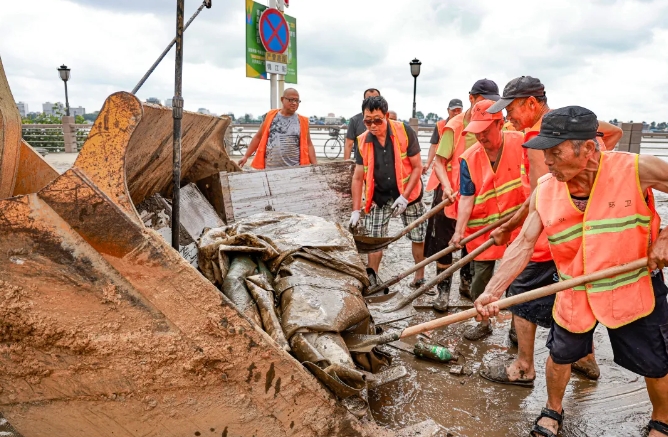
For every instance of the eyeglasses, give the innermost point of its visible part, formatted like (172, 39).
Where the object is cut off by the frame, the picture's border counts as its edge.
(292, 100)
(376, 121)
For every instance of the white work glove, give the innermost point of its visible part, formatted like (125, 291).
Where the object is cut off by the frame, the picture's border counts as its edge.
(354, 218)
(399, 206)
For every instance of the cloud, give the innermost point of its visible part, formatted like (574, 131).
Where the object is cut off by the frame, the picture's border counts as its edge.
(603, 53)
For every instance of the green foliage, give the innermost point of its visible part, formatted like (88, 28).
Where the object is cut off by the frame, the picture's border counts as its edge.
(91, 116)
(419, 115)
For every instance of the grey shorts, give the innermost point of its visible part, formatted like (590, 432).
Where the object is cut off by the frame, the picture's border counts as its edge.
(377, 222)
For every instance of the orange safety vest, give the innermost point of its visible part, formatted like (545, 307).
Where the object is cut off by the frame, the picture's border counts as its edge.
(541, 252)
(259, 159)
(402, 164)
(617, 227)
(456, 125)
(496, 194)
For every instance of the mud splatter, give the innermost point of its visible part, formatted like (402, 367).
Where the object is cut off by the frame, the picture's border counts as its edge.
(271, 373)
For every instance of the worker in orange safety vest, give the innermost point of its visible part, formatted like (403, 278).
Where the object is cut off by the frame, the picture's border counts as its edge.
(597, 210)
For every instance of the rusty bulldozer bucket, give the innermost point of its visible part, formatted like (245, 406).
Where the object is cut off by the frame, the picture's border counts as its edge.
(106, 330)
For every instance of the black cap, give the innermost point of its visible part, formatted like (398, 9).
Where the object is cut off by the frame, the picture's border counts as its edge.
(523, 86)
(569, 123)
(488, 88)
(455, 103)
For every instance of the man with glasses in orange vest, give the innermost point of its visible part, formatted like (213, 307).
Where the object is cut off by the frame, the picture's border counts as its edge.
(525, 101)
(444, 180)
(597, 210)
(283, 139)
(388, 171)
(490, 188)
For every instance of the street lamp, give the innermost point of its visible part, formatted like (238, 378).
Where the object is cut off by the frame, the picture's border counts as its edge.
(415, 71)
(65, 76)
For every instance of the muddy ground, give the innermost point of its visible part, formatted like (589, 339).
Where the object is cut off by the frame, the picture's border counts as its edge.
(466, 405)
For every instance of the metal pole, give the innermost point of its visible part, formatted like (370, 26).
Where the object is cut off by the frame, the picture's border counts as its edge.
(281, 78)
(414, 89)
(177, 111)
(206, 3)
(273, 79)
(67, 101)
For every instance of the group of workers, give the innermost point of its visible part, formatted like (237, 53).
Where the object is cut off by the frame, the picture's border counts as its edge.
(571, 205)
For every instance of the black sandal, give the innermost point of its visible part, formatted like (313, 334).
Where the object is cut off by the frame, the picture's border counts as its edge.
(538, 430)
(658, 426)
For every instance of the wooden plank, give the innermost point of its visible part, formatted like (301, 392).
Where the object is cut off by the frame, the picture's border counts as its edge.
(322, 190)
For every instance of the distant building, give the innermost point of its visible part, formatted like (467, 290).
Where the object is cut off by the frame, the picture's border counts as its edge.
(203, 111)
(23, 109)
(57, 108)
(154, 100)
(332, 119)
(77, 111)
(168, 103)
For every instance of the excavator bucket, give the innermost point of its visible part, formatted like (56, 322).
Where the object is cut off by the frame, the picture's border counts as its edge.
(104, 328)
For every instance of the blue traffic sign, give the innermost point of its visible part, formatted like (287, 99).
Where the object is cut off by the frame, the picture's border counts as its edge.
(274, 31)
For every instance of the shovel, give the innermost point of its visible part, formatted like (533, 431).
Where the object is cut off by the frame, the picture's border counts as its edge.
(371, 341)
(373, 244)
(405, 300)
(393, 280)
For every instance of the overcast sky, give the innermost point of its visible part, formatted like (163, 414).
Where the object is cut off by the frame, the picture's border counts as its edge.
(607, 55)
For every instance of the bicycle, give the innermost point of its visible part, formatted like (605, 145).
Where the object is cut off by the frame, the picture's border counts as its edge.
(241, 144)
(334, 145)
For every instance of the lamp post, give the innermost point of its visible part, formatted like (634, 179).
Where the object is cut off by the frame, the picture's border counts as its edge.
(65, 76)
(415, 71)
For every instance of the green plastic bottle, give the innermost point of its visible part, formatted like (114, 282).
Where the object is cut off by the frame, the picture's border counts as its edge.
(432, 352)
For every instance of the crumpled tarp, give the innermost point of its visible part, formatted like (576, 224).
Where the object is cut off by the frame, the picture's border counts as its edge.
(317, 277)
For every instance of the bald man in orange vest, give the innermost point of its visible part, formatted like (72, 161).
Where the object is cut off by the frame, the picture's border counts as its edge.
(283, 139)
(599, 207)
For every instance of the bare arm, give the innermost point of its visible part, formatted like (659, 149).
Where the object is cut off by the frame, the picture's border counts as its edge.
(430, 157)
(464, 210)
(537, 167)
(611, 134)
(653, 173)
(515, 259)
(252, 147)
(357, 186)
(442, 175)
(347, 149)
(311, 150)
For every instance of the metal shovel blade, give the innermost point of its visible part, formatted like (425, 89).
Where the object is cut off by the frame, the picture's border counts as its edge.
(367, 244)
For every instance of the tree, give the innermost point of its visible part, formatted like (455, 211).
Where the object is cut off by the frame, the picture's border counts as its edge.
(652, 125)
(419, 115)
(343, 120)
(248, 118)
(663, 125)
(91, 117)
(231, 115)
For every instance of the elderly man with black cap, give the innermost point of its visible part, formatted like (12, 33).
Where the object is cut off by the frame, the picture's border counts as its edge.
(444, 180)
(525, 101)
(591, 205)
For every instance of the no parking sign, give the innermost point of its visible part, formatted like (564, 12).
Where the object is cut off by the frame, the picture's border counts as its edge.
(274, 31)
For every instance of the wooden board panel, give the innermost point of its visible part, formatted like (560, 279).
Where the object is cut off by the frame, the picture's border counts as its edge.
(321, 190)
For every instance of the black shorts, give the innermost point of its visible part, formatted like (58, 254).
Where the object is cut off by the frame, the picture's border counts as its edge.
(640, 346)
(440, 229)
(535, 275)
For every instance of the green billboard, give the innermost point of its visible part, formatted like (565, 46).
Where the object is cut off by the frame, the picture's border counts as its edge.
(255, 52)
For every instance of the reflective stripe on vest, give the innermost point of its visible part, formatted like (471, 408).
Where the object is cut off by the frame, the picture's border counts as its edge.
(456, 125)
(261, 153)
(402, 164)
(497, 194)
(616, 227)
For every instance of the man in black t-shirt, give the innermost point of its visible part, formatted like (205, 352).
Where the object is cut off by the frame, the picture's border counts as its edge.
(356, 127)
(387, 201)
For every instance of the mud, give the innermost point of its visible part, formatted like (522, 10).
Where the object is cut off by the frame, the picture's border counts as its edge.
(467, 405)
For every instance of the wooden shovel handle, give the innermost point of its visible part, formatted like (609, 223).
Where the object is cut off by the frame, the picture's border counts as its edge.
(393, 280)
(528, 296)
(432, 212)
